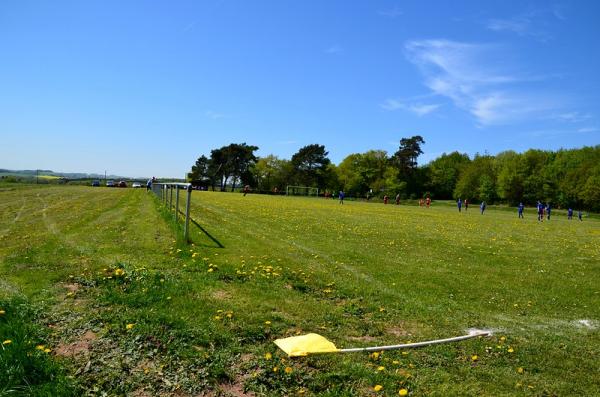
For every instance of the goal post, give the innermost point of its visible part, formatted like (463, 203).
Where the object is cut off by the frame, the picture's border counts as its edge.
(302, 191)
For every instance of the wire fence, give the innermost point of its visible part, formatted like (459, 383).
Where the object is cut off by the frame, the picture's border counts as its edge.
(168, 194)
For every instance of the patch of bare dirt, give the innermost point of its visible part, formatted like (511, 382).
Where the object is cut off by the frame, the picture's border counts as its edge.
(365, 338)
(71, 287)
(245, 358)
(78, 347)
(144, 366)
(403, 329)
(235, 390)
(140, 393)
(221, 295)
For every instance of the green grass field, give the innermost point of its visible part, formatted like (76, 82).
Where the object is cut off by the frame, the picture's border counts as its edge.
(101, 278)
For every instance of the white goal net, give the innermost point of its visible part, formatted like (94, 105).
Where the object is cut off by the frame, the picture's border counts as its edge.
(302, 191)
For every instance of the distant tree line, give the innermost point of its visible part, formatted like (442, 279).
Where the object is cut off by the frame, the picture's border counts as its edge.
(563, 178)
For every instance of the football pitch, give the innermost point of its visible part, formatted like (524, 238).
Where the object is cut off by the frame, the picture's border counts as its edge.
(101, 279)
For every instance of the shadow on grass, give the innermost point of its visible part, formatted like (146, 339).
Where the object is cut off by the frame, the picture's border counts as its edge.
(211, 237)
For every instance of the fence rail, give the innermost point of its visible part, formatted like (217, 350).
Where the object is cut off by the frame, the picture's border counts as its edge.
(164, 191)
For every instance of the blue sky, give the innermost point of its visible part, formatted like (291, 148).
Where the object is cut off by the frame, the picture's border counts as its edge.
(143, 88)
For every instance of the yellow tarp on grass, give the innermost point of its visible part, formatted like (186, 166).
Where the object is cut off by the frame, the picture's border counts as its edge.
(297, 346)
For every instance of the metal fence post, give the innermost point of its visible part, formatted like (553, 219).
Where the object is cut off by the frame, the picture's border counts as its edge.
(170, 197)
(177, 204)
(187, 214)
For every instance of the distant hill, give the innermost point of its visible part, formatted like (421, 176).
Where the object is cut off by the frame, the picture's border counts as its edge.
(67, 175)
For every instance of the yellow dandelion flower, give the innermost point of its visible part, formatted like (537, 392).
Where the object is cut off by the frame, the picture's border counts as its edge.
(267, 322)
(520, 370)
(275, 369)
(211, 270)
(502, 338)
(2, 312)
(510, 350)
(403, 392)
(7, 342)
(129, 326)
(474, 357)
(217, 318)
(40, 347)
(119, 272)
(375, 355)
(288, 370)
(377, 387)
(47, 350)
(268, 356)
(381, 368)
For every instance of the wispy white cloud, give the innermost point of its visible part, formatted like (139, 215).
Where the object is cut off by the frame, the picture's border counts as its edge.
(573, 117)
(588, 129)
(533, 23)
(419, 109)
(467, 74)
(520, 25)
(558, 10)
(211, 114)
(391, 13)
(392, 104)
(334, 49)
(189, 26)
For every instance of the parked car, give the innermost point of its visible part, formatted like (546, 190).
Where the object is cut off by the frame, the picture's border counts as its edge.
(122, 184)
(96, 183)
(110, 184)
(136, 185)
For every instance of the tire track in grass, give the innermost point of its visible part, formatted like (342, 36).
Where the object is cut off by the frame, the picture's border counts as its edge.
(66, 234)
(15, 219)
